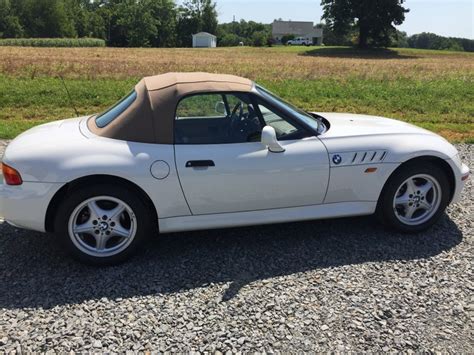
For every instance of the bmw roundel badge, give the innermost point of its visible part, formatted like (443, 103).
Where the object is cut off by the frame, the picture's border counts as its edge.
(336, 159)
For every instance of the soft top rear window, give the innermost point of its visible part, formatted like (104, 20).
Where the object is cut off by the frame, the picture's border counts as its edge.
(112, 113)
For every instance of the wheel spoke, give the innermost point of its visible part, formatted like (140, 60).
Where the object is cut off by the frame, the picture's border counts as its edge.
(425, 205)
(115, 213)
(411, 187)
(402, 200)
(409, 211)
(120, 231)
(424, 189)
(84, 228)
(101, 241)
(95, 210)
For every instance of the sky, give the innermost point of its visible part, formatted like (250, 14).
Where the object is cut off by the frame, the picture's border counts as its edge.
(453, 18)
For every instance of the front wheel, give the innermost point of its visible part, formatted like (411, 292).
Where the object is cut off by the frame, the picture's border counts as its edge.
(102, 224)
(414, 198)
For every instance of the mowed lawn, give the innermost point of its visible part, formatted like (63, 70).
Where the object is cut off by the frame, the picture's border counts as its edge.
(432, 89)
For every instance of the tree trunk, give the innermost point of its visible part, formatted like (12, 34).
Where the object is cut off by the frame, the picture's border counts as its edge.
(363, 36)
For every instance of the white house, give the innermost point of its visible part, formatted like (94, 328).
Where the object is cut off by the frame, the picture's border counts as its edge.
(204, 40)
(298, 29)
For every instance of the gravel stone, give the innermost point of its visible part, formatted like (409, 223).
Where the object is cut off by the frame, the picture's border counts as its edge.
(345, 285)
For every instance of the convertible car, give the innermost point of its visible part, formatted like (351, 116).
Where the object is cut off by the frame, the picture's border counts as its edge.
(188, 151)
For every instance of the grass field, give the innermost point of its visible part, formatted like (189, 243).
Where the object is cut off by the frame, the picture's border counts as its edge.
(433, 89)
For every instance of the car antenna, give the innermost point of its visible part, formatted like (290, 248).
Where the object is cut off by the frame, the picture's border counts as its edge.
(69, 95)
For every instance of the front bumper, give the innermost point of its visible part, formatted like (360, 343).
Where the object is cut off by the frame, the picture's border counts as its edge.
(461, 174)
(25, 205)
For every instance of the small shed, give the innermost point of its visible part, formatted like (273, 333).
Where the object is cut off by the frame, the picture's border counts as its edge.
(204, 40)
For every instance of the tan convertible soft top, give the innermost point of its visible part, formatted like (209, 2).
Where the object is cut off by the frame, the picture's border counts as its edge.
(150, 118)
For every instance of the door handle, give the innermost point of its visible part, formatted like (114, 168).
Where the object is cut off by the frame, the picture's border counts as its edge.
(199, 163)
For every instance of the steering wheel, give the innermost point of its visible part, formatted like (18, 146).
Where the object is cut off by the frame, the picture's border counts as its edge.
(234, 119)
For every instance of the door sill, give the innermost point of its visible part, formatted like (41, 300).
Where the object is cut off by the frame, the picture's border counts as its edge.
(280, 215)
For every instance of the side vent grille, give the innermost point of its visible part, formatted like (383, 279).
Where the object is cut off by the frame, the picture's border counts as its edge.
(358, 158)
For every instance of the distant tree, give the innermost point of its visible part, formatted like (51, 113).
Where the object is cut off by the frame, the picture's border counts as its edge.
(164, 13)
(227, 33)
(136, 24)
(427, 40)
(195, 16)
(260, 39)
(466, 44)
(400, 40)
(374, 19)
(331, 38)
(10, 26)
(45, 18)
(208, 16)
(229, 40)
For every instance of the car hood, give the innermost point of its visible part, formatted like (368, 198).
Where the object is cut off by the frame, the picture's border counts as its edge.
(353, 125)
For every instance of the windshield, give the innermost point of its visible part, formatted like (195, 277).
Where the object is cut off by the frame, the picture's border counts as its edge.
(286, 106)
(108, 116)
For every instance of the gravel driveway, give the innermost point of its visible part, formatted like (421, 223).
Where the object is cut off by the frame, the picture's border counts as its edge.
(344, 285)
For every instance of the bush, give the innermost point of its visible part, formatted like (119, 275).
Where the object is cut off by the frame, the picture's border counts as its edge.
(53, 42)
(259, 39)
(229, 40)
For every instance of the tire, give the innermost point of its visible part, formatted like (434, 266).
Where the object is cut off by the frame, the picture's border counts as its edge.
(403, 204)
(103, 224)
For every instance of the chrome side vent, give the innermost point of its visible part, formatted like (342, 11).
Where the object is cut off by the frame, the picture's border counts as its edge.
(355, 156)
(358, 158)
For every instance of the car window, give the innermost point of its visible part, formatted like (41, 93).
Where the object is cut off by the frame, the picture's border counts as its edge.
(112, 113)
(281, 104)
(200, 106)
(216, 119)
(283, 128)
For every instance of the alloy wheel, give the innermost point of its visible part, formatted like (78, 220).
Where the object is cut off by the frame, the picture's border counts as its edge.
(102, 226)
(417, 199)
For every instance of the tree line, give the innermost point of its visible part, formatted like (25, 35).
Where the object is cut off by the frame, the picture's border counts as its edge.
(122, 23)
(371, 23)
(400, 39)
(164, 23)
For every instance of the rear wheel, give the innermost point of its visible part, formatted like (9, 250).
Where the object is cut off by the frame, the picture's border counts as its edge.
(414, 198)
(103, 224)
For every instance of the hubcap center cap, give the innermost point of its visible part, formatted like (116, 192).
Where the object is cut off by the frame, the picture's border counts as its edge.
(417, 199)
(103, 226)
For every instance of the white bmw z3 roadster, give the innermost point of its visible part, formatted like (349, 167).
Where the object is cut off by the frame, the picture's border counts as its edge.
(188, 151)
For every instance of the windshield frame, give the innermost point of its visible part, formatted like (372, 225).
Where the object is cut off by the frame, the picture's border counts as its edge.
(303, 117)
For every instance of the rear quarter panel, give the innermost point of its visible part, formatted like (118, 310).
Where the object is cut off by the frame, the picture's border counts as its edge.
(62, 159)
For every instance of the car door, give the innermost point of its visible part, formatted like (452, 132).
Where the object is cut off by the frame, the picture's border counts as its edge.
(234, 172)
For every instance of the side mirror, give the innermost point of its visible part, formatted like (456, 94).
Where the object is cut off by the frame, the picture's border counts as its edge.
(220, 108)
(269, 140)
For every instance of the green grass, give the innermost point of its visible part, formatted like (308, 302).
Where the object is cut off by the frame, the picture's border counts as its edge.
(434, 91)
(437, 105)
(52, 42)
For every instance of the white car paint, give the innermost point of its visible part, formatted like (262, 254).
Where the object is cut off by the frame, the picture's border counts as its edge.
(35, 154)
(364, 135)
(248, 177)
(264, 187)
(277, 215)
